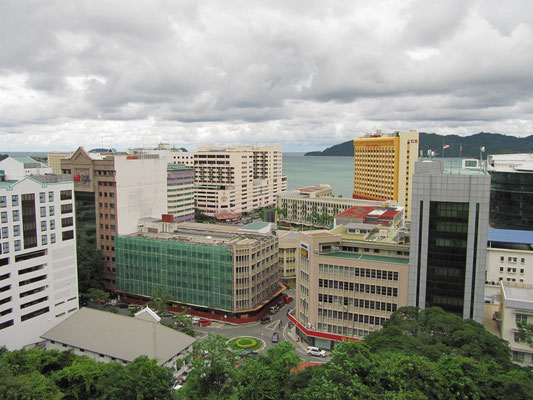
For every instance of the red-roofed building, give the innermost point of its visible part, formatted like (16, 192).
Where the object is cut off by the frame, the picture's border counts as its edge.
(227, 217)
(370, 215)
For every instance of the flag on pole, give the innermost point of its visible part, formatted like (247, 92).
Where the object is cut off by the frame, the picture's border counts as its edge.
(446, 146)
(460, 147)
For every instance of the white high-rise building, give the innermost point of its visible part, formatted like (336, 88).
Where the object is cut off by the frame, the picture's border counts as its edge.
(238, 179)
(38, 270)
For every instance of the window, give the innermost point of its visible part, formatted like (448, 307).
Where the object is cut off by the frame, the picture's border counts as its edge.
(44, 240)
(521, 318)
(14, 200)
(43, 226)
(502, 258)
(18, 245)
(5, 233)
(66, 208)
(50, 196)
(66, 195)
(16, 215)
(517, 337)
(501, 269)
(43, 211)
(52, 238)
(3, 215)
(5, 248)
(51, 210)
(3, 201)
(522, 260)
(42, 197)
(69, 221)
(52, 224)
(67, 235)
(518, 356)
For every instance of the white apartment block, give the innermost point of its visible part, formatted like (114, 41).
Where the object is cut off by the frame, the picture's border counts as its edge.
(509, 259)
(299, 204)
(18, 167)
(516, 306)
(238, 179)
(38, 270)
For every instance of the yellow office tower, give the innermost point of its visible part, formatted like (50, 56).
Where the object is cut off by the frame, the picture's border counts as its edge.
(384, 165)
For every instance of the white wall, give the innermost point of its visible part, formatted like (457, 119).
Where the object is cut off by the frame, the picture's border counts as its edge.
(141, 191)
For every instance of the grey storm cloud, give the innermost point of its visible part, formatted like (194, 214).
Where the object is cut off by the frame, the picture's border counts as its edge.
(304, 74)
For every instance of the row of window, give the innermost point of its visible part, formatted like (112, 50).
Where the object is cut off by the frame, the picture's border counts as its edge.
(511, 270)
(352, 317)
(358, 287)
(362, 303)
(512, 259)
(17, 244)
(361, 272)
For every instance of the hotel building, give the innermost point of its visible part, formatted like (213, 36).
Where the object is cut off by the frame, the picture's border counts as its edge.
(450, 215)
(384, 165)
(349, 282)
(38, 270)
(210, 268)
(112, 192)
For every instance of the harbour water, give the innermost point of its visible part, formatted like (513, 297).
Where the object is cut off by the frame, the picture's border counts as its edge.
(304, 171)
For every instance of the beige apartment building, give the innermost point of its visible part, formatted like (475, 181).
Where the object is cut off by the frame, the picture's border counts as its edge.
(238, 179)
(384, 166)
(349, 284)
(289, 244)
(301, 204)
(54, 160)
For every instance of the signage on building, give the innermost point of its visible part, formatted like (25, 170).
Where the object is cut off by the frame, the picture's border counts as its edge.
(304, 251)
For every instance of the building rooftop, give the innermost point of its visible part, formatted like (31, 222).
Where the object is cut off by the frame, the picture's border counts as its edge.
(209, 234)
(365, 257)
(255, 226)
(25, 160)
(119, 336)
(510, 236)
(378, 234)
(518, 295)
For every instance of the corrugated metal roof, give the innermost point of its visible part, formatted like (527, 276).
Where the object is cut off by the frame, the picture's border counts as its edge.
(119, 336)
(510, 236)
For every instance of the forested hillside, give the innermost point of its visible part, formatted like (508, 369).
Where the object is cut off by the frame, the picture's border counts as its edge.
(494, 143)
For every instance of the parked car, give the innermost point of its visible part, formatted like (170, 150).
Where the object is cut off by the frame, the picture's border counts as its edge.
(166, 314)
(113, 302)
(288, 299)
(275, 337)
(121, 304)
(266, 319)
(249, 353)
(133, 306)
(273, 310)
(204, 322)
(315, 351)
(177, 385)
(195, 320)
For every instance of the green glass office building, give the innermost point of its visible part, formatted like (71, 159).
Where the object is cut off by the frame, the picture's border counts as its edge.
(193, 273)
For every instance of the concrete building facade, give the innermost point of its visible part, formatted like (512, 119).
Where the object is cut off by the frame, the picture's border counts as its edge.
(180, 189)
(301, 204)
(238, 179)
(54, 160)
(348, 284)
(38, 270)
(205, 267)
(384, 166)
(449, 239)
(516, 306)
(509, 259)
(289, 245)
(15, 168)
(114, 191)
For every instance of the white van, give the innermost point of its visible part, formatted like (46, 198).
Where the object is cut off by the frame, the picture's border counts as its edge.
(315, 351)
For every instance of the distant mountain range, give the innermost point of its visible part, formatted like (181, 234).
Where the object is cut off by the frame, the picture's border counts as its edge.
(494, 143)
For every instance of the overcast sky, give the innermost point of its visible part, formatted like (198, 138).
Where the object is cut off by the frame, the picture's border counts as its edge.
(302, 74)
